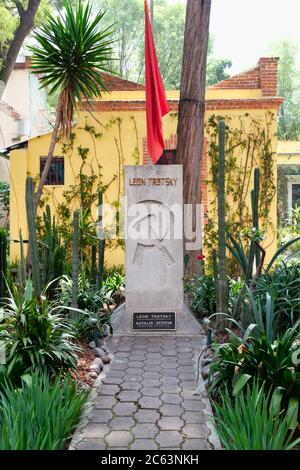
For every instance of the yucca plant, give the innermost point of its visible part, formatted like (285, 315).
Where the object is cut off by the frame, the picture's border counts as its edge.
(36, 335)
(40, 414)
(254, 421)
(72, 52)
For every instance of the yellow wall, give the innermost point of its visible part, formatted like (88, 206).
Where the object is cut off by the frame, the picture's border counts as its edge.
(288, 152)
(105, 150)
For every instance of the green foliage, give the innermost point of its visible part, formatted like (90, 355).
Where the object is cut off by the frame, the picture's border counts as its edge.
(72, 51)
(4, 196)
(288, 88)
(33, 244)
(36, 335)
(53, 250)
(254, 356)
(254, 421)
(216, 70)
(40, 414)
(3, 262)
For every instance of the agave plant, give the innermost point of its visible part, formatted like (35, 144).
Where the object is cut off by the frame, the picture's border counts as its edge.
(254, 421)
(72, 52)
(36, 335)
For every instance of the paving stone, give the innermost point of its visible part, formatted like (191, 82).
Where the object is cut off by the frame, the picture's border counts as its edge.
(189, 385)
(150, 402)
(169, 438)
(124, 409)
(105, 402)
(170, 380)
(121, 423)
(195, 431)
(134, 371)
(191, 417)
(116, 373)
(171, 388)
(146, 416)
(171, 410)
(170, 423)
(113, 380)
(136, 363)
(91, 444)
(152, 375)
(143, 430)
(119, 365)
(100, 416)
(131, 385)
(151, 383)
(123, 355)
(196, 444)
(171, 398)
(119, 438)
(95, 430)
(192, 405)
(108, 389)
(151, 391)
(191, 395)
(143, 444)
(129, 395)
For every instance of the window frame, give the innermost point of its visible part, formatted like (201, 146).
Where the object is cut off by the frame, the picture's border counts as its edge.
(58, 158)
(291, 180)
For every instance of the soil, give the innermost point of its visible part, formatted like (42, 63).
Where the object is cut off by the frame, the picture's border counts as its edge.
(86, 357)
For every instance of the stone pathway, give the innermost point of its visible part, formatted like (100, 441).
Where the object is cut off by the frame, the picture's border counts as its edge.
(146, 398)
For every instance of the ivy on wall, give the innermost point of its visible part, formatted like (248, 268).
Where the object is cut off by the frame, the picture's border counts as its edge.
(89, 181)
(247, 146)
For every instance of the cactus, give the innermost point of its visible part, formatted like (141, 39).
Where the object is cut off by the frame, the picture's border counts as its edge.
(93, 267)
(101, 241)
(22, 261)
(33, 245)
(255, 207)
(75, 260)
(221, 281)
(3, 262)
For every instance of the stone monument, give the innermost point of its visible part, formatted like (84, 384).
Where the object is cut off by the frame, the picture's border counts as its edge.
(154, 254)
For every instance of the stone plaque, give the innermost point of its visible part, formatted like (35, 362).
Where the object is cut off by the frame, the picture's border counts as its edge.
(154, 241)
(154, 321)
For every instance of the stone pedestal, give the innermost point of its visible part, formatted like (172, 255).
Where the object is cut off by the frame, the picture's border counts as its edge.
(154, 253)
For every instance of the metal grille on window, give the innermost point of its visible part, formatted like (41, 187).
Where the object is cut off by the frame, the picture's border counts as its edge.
(56, 175)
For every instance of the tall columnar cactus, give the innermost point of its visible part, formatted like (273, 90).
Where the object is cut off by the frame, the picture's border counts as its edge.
(222, 281)
(22, 261)
(75, 260)
(93, 267)
(255, 209)
(33, 245)
(101, 241)
(3, 262)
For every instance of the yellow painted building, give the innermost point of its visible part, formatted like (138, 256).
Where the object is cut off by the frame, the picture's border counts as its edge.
(114, 135)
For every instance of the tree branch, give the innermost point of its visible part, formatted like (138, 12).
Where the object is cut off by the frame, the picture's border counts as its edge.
(26, 24)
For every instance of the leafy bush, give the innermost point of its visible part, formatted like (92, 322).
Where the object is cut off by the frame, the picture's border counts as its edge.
(40, 415)
(283, 284)
(243, 360)
(36, 335)
(89, 299)
(89, 322)
(254, 421)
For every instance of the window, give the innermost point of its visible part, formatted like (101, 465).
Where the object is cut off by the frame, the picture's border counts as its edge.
(56, 175)
(168, 157)
(293, 193)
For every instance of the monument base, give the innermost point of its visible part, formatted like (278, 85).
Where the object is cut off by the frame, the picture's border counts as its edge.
(186, 324)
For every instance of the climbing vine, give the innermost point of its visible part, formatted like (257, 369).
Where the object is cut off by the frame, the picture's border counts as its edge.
(248, 145)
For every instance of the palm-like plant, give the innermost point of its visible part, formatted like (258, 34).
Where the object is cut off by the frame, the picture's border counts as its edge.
(71, 53)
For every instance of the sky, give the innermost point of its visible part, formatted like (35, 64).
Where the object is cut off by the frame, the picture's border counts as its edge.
(244, 30)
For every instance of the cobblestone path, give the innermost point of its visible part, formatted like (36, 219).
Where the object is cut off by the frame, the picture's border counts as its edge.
(146, 398)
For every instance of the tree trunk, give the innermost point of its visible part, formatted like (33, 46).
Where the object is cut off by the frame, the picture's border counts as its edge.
(49, 157)
(190, 129)
(26, 24)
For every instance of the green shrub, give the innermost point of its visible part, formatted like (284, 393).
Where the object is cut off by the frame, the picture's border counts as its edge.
(89, 299)
(88, 323)
(254, 357)
(40, 415)
(253, 421)
(36, 335)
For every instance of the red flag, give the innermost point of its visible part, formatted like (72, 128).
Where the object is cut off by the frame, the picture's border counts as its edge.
(156, 101)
